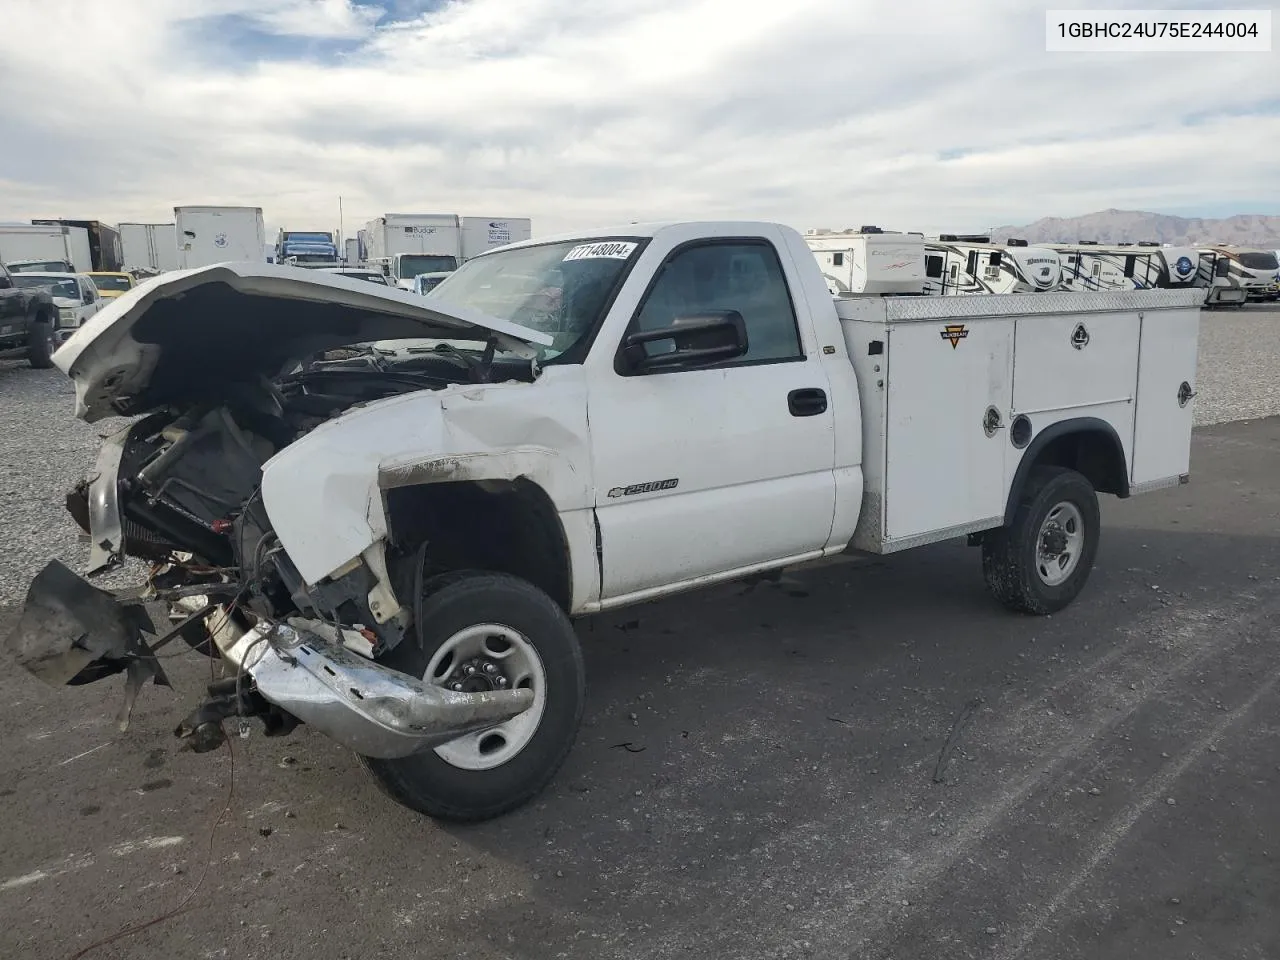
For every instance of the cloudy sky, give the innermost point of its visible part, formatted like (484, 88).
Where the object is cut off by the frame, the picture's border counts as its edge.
(907, 113)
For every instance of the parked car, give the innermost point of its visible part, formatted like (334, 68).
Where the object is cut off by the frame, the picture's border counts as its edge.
(39, 266)
(74, 295)
(424, 283)
(111, 284)
(28, 322)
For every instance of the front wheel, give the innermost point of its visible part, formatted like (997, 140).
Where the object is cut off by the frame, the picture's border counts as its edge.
(40, 345)
(489, 631)
(1041, 561)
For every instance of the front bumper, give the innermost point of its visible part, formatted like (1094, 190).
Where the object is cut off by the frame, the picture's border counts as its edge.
(71, 632)
(372, 709)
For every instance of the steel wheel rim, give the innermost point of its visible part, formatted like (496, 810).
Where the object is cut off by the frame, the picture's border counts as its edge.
(518, 661)
(1059, 543)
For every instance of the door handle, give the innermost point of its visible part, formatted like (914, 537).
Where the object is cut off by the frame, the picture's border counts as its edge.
(807, 402)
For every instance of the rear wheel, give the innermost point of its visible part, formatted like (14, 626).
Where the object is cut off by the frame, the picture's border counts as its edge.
(489, 631)
(1041, 561)
(40, 344)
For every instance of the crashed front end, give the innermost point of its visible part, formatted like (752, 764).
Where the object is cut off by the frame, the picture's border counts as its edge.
(181, 490)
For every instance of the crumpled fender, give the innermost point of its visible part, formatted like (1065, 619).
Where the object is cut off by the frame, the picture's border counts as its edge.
(324, 493)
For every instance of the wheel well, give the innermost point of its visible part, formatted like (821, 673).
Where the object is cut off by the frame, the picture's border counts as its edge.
(505, 526)
(1089, 446)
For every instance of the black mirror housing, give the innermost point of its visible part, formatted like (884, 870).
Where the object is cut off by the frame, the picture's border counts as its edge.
(697, 339)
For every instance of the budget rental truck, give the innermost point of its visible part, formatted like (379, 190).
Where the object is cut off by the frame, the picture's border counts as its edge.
(390, 544)
(404, 245)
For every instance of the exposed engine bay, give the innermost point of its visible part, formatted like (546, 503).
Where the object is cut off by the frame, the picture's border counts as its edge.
(184, 485)
(180, 489)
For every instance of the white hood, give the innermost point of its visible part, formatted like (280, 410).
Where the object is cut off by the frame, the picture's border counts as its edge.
(180, 333)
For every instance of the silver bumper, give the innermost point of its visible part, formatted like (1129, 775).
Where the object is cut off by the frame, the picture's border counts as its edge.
(373, 710)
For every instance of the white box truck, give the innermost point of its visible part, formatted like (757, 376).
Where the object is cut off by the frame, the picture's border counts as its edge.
(714, 414)
(219, 234)
(149, 246)
(404, 245)
(45, 247)
(351, 251)
(484, 233)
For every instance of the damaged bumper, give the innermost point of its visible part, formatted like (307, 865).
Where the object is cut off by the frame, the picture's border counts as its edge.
(72, 632)
(376, 711)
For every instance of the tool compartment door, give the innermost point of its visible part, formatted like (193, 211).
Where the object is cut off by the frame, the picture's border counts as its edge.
(1162, 428)
(942, 469)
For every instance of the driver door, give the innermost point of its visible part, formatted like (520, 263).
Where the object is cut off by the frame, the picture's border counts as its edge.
(704, 471)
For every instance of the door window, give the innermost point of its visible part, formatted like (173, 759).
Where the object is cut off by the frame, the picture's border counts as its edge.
(741, 275)
(933, 266)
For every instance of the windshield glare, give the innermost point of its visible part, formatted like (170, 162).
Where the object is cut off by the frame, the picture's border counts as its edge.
(555, 288)
(412, 265)
(110, 283)
(1258, 261)
(39, 266)
(57, 286)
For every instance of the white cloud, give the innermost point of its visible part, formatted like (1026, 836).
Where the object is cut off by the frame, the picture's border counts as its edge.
(815, 112)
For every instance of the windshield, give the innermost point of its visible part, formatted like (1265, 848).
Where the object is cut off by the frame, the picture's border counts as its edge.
(1258, 261)
(39, 266)
(58, 286)
(307, 238)
(107, 282)
(413, 264)
(555, 288)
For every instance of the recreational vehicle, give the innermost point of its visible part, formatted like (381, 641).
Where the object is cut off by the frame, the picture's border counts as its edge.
(1092, 267)
(963, 264)
(869, 261)
(1256, 272)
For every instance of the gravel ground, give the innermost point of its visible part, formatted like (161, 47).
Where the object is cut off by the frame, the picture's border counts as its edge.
(1239, 370)
(45, 449)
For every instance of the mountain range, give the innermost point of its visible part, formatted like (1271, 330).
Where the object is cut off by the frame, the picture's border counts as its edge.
(1131, 226)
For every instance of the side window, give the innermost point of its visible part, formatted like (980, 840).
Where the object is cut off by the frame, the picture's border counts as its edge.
(741, 275)
(933, 266)
(1130, 261)
(1222, 268)
(837, 259)
(973, 263)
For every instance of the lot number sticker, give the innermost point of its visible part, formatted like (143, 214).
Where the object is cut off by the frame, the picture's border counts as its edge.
(611, 250)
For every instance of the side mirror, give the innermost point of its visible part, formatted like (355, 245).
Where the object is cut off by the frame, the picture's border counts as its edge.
(5, 282)
(696, 339)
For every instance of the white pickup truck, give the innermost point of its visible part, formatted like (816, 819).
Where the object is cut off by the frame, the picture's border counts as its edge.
(385, 510)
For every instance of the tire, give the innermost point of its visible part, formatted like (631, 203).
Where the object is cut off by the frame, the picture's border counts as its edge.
(437, 785)
(1011, 556)
(40, 345)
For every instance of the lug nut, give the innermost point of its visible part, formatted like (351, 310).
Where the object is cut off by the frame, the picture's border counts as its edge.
(490, 668)
(455, 686)
(470, 670)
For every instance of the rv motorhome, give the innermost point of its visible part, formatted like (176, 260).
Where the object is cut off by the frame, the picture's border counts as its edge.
(1228, 267)
(965, 263)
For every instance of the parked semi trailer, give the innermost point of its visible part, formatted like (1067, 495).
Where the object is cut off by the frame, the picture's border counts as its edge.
(149, 247)
(104, 242)
(208, 235)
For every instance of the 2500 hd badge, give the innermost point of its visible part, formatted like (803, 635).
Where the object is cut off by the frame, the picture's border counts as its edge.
(649, 487)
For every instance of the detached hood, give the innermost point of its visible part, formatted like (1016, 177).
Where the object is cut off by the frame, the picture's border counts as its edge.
(183, 335)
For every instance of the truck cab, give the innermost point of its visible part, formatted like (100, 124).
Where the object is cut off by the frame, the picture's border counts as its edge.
(401, 268)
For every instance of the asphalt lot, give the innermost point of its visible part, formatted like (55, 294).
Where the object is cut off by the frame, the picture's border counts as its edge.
(756, 777)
